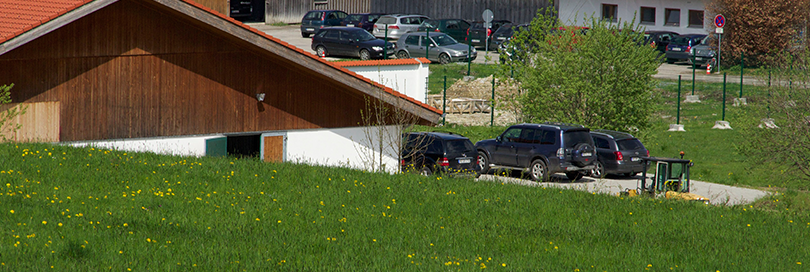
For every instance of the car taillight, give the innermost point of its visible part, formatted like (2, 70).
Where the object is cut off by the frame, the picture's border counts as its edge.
(393, 27)
(648, 153)
(437, 30)
(468, 32)
(444, 162)
(489, 31)
(619, 156)
(561, 153)
(689, 48)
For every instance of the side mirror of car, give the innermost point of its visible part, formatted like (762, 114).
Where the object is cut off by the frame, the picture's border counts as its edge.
(498, 139)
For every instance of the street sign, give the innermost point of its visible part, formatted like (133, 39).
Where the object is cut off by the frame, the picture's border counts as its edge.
(487, 16)
(718, 30)
(719, 21)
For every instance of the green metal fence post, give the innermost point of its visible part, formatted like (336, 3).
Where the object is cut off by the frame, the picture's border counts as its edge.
(678, 118)
(469, 52)
(693, 74)
(492, 107)
(724, 96)
(742, 67)
(444, 101)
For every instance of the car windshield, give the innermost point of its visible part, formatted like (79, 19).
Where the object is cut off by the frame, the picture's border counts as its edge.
(362, 36)
(443, 40)
(429, 24)
(460, 146)
(681, 40)
(629, 144)
(573, 138)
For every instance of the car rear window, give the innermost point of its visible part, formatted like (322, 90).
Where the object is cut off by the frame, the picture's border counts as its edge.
(387, 20)
(572, 138)
(460, 146)
(355, 18)
(683, 40)
(315, 15)
(629, 144)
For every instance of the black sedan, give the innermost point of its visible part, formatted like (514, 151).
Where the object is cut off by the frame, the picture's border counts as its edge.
(350, 42)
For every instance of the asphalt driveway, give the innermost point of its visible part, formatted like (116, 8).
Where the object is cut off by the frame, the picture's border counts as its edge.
(718, 194)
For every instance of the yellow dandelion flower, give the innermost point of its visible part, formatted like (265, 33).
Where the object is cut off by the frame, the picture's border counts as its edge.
(44, 222)
(11, 211)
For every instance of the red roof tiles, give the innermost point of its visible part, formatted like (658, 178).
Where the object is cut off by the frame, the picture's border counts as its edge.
(385, 62)
(19, 16)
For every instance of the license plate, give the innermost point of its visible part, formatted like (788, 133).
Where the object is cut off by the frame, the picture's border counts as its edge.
(474, 40)
(310, 29)
(698, 58)
(676, 49)
(587, 154)
(501, 38)
(462, 161)
(350, 25)
(635, 159)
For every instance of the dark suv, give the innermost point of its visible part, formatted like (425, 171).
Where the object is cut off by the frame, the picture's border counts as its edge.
(437, 152)
(317, 19)
(480, 35)
(618, 153)
(540, 150)
(350, 41)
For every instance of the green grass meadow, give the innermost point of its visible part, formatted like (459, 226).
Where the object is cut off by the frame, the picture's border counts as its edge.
(88, 209)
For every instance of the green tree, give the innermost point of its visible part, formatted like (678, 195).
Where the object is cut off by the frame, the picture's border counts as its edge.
(599, 76)
(787, 107)
(760, 28)
(8, 127)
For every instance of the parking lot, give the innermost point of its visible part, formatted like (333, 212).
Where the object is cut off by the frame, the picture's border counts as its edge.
(292, 34)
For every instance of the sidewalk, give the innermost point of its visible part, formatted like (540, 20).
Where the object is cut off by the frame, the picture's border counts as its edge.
(671, 72)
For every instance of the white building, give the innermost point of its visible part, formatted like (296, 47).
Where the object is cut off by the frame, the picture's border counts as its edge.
(681, 16)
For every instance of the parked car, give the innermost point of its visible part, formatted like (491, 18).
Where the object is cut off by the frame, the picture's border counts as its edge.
(443, 48)
(350, 41)
(456, 28)
(241, 9)
(659, 39)
(540, 150)
(703, 53)
(362, 20)
(617, 153)
(395, 25)
(505, 32)
(479, 34)
(681, 46)
(317, 19)
(436, 152)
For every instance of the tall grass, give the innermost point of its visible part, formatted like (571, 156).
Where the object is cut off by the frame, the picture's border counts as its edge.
(85, 209)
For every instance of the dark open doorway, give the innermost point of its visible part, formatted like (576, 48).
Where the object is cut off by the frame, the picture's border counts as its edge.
(244, 146)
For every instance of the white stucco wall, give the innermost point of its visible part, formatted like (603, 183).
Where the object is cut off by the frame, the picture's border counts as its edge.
(574, 12)
(344, 147)
(180, 146)
(410, 80)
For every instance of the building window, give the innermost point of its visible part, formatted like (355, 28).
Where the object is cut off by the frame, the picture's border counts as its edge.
(647, 15)
(696, 18)
(609, 12)
(672, 17)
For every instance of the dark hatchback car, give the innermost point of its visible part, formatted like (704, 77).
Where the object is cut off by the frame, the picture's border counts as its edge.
(241, 9)
(437, 152)
(362, 20)
(540, 150)
(680, 49)
(456, 28)
(317, 19)
(479, 34)
(659, 39)
(618, 153)
(350, 42)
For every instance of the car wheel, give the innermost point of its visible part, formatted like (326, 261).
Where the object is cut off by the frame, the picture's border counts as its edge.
(574, 176)
(365, 55)
(444, 58)
(483, 162)
(403, 55)
(321, 51)
(538, 171)
(305, 35)
(670, 61)
(598, 170)
(426, 171)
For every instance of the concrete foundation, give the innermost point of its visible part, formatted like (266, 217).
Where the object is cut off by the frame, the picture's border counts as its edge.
(721, 125)
(692, 99)
(740, 102)
(675, 127)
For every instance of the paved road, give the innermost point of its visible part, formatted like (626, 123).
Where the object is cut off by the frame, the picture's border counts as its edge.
(718, 194)
(292, 35)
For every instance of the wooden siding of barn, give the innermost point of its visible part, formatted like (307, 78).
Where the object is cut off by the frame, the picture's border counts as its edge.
(291, 11)
(135, 69)
(221, 6)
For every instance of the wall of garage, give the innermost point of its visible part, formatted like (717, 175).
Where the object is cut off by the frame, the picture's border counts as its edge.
(410, 80)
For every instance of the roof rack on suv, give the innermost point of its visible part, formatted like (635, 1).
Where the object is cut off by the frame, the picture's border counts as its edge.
(562, 124)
